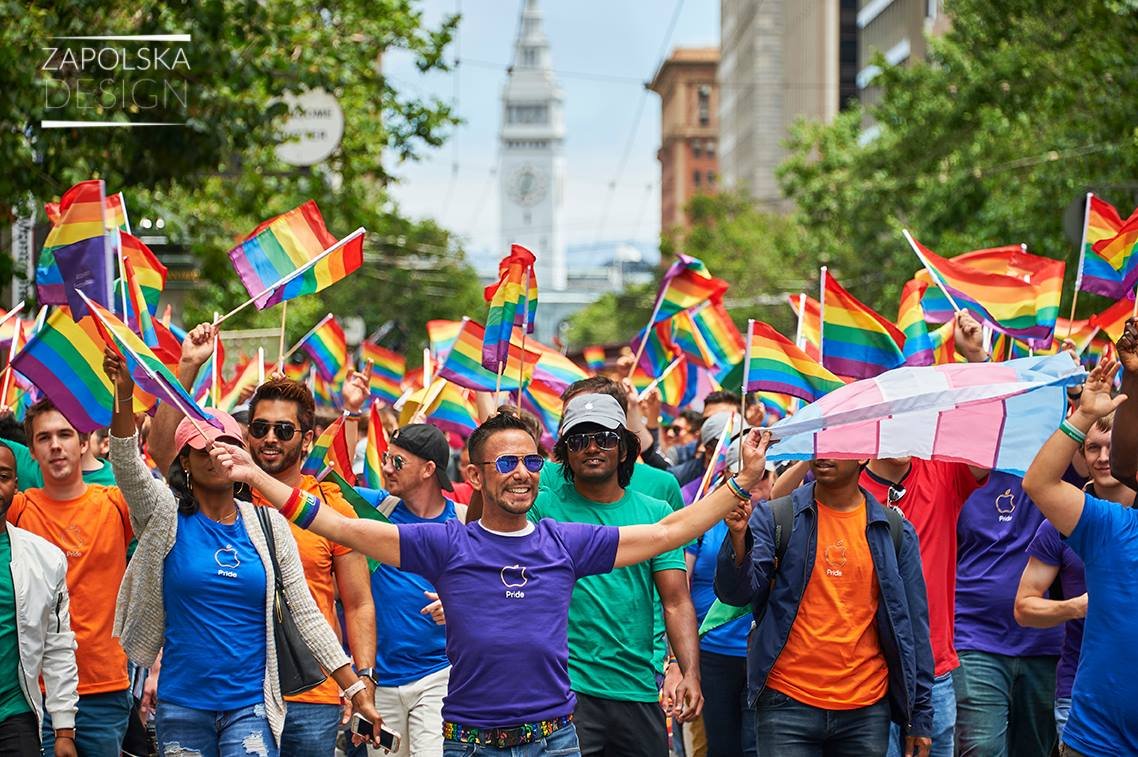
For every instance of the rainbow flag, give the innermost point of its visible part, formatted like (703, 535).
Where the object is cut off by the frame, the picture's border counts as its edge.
(659, 349)
(294, 254)
(375, 449)
(776, 406)
(149, 373)
(1101, 224)
(1117, 250)
(594, 356)
(330, 450)
(810, 319)
(298, 372)
(149, 271)
(911, 320)
(513, 302)
(544, 401)
(943, 339)
(137, 314)
(245, 378)
(387, 369)
(1113, 320)
(79, 225)
(689, 340)
(1079, 332)
(686, 284)
(325, 393)
(463, 363)
(673, 384)
(856, 341)
(441, 335)
(991, 285)
(719, 333)
(208, 377)
(448, 407)
(776, 365)
(552, 367)
(327, 346)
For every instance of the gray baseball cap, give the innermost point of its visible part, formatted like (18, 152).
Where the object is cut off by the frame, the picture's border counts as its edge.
(601, 409)
(713, 426)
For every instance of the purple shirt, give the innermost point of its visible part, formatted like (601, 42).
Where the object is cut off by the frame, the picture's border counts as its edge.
(507, 612)
(995, 526)
(1048, 547)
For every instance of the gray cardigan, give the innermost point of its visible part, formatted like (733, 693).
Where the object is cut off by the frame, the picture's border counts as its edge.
(140, 615)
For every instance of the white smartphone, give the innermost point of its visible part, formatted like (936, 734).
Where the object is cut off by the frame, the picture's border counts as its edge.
(388, 739)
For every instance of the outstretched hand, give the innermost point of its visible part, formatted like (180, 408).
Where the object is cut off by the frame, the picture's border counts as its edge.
(235, 461)
(754, 457)
(1096, 400)
(1127, 346)
(969, 337)
(115, 367)
(198, 344)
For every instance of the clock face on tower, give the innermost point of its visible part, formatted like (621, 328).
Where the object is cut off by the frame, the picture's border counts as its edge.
(527, 185)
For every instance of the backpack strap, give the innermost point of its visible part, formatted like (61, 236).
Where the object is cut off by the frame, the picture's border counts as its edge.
(896, 523)
(783, 510)
(387, 506)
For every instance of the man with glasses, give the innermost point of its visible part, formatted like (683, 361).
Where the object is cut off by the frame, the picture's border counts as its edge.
(611, 637)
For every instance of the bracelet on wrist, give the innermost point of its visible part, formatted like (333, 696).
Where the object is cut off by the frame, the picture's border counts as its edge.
(1072, 432)
(355, 688)
(738, 491)
(301, 508)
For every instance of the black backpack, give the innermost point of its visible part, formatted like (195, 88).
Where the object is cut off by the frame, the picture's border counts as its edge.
(783, 509)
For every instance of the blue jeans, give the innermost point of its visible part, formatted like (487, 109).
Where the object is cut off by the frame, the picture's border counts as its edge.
(785, 727)
(944, 720)
(209, 733)
(100, 725)
(1062, 714)
(561, 742)
(1004, 705)
(310, 729)
(727, 720)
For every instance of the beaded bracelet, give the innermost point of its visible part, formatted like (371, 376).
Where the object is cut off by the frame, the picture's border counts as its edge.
(1075, 434)
(740, 493)
(301, 508)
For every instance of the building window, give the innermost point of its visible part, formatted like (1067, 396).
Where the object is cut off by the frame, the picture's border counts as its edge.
(711, 178)
(710, 148)
(704, 105)
(527, 114)
(696, 148)
(695, 178)
(529, 56)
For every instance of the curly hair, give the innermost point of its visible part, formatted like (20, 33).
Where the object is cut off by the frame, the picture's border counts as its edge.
(287, 390)
(629, 449)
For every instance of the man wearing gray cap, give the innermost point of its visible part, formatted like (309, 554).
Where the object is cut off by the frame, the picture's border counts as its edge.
(611, 615)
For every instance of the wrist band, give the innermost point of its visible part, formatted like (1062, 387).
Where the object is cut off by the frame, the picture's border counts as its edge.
(301, 508)
(740, 493)
(354, 689)
(1075, 434)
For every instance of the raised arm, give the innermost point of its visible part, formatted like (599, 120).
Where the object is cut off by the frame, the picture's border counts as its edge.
(790, 479)
(1033, 609)
(639, 543)
(1060, 502)
(196, 350)
(1124, 435)
(379, 541)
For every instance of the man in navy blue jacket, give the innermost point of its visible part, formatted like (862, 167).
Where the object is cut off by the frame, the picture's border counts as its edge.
(841, 646)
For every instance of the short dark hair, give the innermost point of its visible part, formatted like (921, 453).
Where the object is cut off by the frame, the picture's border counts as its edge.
(533, 425)
(722, 397)
(43, 407)
(597, 385)
(287, 390)
(500, 421)
(629, 445)
(694, 419)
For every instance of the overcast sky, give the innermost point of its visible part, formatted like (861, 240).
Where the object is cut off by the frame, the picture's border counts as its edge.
(603, 52)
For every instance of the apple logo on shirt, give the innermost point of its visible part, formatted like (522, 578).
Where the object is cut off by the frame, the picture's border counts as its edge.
(514, 577)
(835, 556)
(1005, 506)
(227, 561)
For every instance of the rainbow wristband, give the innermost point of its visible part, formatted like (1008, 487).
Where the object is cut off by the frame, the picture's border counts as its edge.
(740, 493)
(301, 508)
(1075, 434)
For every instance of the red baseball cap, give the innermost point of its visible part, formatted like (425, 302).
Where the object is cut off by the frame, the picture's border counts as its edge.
(187, 433)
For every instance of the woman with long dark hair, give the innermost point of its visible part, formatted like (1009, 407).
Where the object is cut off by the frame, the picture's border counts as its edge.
(200, 590)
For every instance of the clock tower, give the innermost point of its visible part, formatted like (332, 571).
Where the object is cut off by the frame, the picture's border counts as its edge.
(532, 166)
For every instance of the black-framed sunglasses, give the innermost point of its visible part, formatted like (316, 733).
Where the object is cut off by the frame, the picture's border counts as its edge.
(507, 463)
(283, 429)
(604, 440)
(397, 461)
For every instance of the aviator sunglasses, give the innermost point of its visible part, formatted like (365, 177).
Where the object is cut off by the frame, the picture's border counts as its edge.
(507, 463)
(283, 429)
(603, 439)
(397, 461)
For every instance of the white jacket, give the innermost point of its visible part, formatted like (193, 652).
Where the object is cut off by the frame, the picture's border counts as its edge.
(43, 626)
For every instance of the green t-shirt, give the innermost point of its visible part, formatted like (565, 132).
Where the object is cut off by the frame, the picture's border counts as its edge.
(658, 483)
(29, 475)
(612, 628)
(12, 701)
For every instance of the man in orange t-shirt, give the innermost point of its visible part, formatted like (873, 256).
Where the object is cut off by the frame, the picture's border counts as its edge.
(91, 524)
(841, 648)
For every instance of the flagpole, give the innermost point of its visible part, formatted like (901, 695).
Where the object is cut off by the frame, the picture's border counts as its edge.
(525, 327)
(747, 375)
(663, 375)
(931, 272)
(260, 365)
(311, 331)
(800, 331)
(647, 331)
(122, 280)
(215, 370)
(1082, 258)
(822, 314)
(291, 276)
(426, 366)
(707, 474)
(281, 340)
(16, 332)
(429, 398)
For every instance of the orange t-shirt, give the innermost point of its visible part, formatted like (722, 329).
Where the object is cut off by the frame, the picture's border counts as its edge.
(832, 658)
(316, 555)
(93, 531)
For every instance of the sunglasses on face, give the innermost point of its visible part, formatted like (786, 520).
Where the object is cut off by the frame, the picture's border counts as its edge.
(507, 463)
(397, 461)
(603, 439)
(676, 430)
(283, 429)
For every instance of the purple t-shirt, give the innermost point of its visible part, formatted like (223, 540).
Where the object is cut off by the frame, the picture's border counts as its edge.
(1048, 547)
(995, 526)
(507, 612)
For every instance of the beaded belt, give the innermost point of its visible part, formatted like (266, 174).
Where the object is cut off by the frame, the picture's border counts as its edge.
(501, 738)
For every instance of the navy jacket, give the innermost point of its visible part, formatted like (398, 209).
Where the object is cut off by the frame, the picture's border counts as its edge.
(902, 609)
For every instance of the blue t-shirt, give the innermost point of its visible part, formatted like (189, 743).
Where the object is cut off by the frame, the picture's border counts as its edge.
(507, 606)
(409, 644)
(214, 595)
(730, 638)
(1104, 703)
(994, 528)
(1048, 547)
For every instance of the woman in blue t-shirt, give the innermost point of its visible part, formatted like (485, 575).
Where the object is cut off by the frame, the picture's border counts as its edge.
(200, 590)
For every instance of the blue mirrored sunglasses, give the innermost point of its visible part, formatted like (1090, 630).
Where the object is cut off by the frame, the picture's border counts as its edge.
(507, 463)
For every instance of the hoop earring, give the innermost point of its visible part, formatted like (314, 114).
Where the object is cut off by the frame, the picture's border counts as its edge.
(189, 481)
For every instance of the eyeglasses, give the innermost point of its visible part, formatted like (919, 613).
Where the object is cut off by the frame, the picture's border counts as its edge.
(603, 440)
(676, 430)
(895, 494)
(397, 461)
(507, 463)
(283, 429)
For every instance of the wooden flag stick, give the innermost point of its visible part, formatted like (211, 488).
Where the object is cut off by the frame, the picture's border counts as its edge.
(260, 365)
(822, 313)
(426, 366)
(932, 273)
(663, 375)
(215, 369)
(747, 373)
(1082, 256)
(281, 340)
(311, 331)
(525, 326)
(647, 331)
(707, 474)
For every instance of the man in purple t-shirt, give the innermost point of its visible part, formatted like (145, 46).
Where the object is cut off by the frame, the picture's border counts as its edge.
(1050, 558)
(506, 582)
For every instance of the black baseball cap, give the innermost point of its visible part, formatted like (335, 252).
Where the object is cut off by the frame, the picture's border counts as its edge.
(425, 441)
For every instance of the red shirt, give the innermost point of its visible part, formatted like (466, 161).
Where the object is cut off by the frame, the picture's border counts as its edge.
(934, 496)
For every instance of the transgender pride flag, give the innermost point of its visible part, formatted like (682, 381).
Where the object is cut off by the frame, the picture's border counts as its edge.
(992, 415)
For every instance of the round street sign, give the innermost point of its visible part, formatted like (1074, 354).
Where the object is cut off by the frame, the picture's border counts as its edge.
(313, 129)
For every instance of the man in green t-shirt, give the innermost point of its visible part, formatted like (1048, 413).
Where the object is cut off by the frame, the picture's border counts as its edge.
(611, 616)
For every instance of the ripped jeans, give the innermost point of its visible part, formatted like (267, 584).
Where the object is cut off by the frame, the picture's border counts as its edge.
(186, 732)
